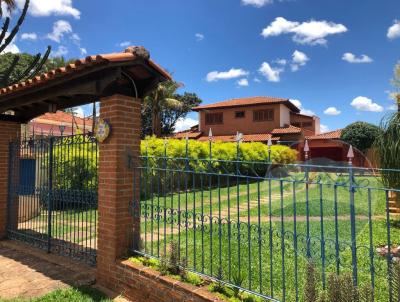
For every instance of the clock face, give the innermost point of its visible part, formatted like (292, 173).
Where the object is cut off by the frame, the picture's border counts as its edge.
(102, 130)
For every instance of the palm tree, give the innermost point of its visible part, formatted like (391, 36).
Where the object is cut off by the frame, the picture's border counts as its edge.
(396, 84)
(158, 100)
(10, 4)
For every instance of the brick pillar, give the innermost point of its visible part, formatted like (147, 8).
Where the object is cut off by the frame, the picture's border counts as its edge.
(8, 131)
(116, 226)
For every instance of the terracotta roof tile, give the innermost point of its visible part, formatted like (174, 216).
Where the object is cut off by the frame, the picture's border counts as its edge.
(258, 100)
(287, 130)
(61, 117)
(184, 134)
(327, 135)
(79, 65)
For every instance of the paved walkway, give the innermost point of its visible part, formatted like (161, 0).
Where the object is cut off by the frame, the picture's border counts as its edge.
(28, 272)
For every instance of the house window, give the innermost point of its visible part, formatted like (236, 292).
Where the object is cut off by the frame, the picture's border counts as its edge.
(307, 124)
(239, 114)
(214, 118)
(296, 124)
(263, 115)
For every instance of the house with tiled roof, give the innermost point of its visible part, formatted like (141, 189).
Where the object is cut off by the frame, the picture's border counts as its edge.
(58, 123)
(257, 118)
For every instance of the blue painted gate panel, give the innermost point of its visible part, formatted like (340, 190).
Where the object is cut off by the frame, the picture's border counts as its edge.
(27, 172)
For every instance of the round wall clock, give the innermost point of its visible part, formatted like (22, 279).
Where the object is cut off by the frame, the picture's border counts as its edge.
(102, 130)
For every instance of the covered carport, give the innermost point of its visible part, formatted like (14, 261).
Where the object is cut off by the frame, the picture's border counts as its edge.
(118, 81)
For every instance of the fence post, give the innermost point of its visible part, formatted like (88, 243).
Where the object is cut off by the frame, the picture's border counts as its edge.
(307, 176)
(118, 230)
(9, 131)
(350, 156)
(50, 195)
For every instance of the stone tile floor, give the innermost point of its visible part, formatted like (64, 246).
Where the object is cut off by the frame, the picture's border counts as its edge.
(28, 272)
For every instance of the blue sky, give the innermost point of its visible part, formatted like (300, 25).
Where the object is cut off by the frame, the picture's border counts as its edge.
(330, 53)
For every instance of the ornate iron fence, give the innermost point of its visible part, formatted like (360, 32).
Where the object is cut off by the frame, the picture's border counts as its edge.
(256, 226)
(53, 194)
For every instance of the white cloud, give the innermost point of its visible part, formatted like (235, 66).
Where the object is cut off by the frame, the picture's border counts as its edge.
(332, 111)
(29, 36)
(78, 111)
(75, 37)
(365, 104)
(185, 124)
(351, 58)
(272, 74)
(257, 3)
(280, 61)
(44, 8)
(83, 51)
(232, 73)
(312, 32)
(323, 128)
(243, 82)
(12, 47)
(394, 30)
(61, 51)
(393, 107)
(257, 80)
(299, 105)
(199, 37)
(125, 44)
(298, 59)
(60, 28)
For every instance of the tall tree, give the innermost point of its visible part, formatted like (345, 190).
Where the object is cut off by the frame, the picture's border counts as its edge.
(396, 84)
(360, 135)
(24, 61)
(8, 75)
(160, 99)
(10, 4)
(169, 115)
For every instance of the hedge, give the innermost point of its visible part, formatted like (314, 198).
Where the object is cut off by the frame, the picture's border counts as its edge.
(167, 161)
(249, 151)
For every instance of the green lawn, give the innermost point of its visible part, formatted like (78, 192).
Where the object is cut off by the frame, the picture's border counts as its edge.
(213, 243)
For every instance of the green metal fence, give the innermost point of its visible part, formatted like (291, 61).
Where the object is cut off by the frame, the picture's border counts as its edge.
(257, 225)
(52, 194)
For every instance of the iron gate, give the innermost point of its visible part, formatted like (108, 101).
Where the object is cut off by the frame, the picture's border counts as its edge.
(52, 194)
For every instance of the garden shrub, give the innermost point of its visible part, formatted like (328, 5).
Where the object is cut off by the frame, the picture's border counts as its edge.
(74, 172)
(221, 151)
(339, 288)
(175, 156)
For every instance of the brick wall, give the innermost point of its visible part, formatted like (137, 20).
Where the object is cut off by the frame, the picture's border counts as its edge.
(143, 284)
(116, 227)
(8, 131)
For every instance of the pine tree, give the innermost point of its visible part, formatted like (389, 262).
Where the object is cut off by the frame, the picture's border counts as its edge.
(6, 37)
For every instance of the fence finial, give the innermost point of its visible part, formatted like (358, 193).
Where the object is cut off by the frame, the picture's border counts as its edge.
(350, 154)
(306, 149)
(239, 137)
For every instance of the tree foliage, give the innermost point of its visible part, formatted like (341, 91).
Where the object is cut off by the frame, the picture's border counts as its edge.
(10, 5)
(164, 107)
(396, 84)
(8, 76)
(388, 146)
(360, 135)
